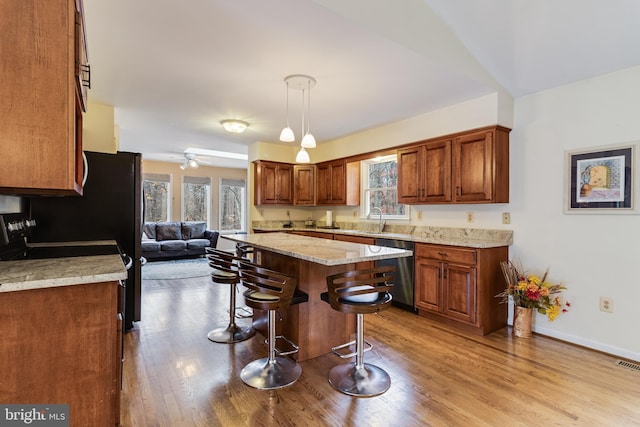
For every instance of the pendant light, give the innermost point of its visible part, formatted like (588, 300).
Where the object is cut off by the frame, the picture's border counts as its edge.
(304, 83)
(287, 133)
(308, 141)
(302, 156)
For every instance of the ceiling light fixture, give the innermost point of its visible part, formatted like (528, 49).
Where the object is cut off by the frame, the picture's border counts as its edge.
(304, 83)
(189, 162)
(234, 126)
(302, 156)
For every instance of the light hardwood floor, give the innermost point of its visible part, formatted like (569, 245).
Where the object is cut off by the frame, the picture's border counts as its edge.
(174, 376)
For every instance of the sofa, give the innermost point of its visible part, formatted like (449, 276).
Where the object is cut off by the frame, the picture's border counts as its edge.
(173, 240)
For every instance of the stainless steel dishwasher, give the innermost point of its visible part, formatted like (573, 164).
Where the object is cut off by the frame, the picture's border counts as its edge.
(403, 282)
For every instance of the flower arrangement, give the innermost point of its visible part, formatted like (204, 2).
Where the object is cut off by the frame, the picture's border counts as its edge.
(530, 291)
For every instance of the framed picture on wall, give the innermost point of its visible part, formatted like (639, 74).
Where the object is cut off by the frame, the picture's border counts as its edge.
(602, 180)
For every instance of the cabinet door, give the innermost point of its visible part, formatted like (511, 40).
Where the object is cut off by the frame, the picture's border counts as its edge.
(473, 167)
(459, 292)
(338, 173)
(304, 182)
(266, 176)
(284, 184)
(39, 134)
(437, 172)
(410, 189)
(324, 184)
(428, 286)
(273, 183)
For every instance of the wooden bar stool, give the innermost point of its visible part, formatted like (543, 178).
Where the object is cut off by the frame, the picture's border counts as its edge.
(270, 290)
(360, 292)
(225, 271)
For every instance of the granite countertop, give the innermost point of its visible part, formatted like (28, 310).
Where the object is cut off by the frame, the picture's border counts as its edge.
(320, 251)
(472, 238)
(24, 275)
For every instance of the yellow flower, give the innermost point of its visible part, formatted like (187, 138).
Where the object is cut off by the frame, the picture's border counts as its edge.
(552, 312)
(534, 279)
(522, 286)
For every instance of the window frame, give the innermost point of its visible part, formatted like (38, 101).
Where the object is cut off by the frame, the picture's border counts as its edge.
(233, 182)
(158, 177)
(365, 190)
(197, 180)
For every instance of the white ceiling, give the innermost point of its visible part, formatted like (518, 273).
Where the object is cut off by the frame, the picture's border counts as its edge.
(174, 69)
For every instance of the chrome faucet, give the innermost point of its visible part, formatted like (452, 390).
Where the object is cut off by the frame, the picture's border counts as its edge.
(381, 223)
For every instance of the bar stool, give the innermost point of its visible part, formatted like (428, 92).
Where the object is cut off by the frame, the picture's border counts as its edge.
(270, 290)
(360, 292)
(225, 271)
(244, 250)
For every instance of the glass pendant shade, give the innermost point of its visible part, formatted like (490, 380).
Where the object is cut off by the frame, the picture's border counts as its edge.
(287, 135)
(302, 156)
(308, 141)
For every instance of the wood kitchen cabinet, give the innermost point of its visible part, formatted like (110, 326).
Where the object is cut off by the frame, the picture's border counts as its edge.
(468, 167)
(425, 173)
(304, 185)
(481, 166)
(458, 286)
(64, 345)
(338, 183)
(42, 96)
(273, 183)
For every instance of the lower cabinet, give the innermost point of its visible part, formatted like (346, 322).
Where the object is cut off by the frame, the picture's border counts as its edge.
(458, 286)
(62, 345)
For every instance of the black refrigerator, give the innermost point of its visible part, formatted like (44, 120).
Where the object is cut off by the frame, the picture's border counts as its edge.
(109, 209)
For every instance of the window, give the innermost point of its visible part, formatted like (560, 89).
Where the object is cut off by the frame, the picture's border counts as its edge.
(155, 189)
(232, 205)
(196, 198)
(380, 188)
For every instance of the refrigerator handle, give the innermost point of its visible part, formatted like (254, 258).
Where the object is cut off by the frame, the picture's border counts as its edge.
(85, 172)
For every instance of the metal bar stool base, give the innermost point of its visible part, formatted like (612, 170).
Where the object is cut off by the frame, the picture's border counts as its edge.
(231, 334)
(367, 381)
(269, 375)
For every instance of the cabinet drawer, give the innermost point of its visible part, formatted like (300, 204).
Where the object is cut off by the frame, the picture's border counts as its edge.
(446, 253)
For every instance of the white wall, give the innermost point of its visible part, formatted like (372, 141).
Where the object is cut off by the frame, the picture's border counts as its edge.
(594, 255)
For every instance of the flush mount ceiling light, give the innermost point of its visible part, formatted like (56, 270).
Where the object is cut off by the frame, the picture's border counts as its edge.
(189, 162)
(234, 126)
(303, 83)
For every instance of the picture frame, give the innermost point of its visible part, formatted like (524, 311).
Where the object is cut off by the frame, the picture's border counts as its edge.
(602, 180)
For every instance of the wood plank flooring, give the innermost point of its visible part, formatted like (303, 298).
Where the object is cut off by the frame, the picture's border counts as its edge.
(175, 376)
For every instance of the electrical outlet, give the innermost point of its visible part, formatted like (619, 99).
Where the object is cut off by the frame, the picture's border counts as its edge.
(469, 216)
(506, 218)
(420, 215)
(606, 304)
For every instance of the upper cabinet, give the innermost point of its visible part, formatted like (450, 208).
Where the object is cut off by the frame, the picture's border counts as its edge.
(42, 96)
(469, 167)
(304, 185)
(338, 183)
(424, 173)
(273, 183)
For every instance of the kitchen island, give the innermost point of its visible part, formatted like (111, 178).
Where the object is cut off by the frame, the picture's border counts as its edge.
(313, 325)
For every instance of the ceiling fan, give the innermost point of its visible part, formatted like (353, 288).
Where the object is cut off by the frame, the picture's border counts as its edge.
(190, 161)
